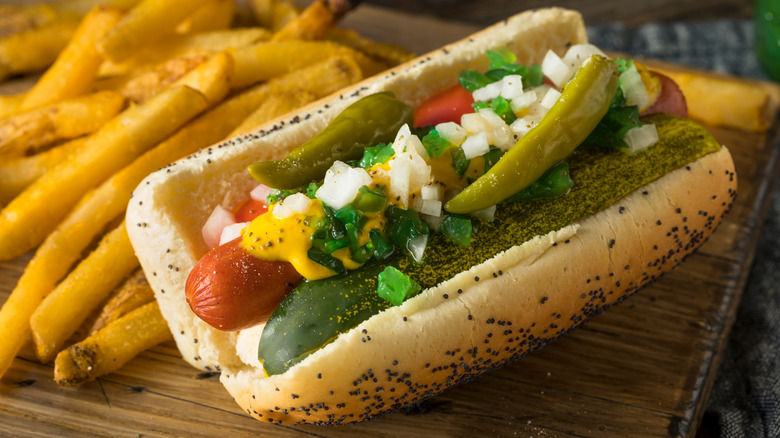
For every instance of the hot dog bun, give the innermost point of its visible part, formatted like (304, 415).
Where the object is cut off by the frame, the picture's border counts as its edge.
(476, 321)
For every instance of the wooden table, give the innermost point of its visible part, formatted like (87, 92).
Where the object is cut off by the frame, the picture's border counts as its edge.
(645, 368)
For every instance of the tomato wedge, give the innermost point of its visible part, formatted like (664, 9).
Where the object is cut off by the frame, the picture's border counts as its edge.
(446, 106)
(250, 210)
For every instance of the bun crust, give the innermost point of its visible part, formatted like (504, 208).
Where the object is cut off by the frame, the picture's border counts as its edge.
(477, 321)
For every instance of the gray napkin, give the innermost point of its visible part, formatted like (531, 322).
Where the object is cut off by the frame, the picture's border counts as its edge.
(745, 400)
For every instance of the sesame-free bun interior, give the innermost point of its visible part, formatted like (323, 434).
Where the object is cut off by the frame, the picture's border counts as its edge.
(476, 321)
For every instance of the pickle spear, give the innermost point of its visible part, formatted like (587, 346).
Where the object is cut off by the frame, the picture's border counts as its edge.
(583, 103)
(371, 120)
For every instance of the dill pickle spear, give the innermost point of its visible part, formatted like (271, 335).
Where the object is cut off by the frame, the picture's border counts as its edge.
(373, 119)
(583, 103)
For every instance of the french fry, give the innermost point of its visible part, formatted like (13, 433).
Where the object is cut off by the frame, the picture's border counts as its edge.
(313, 23)
(274, 106)
(112, 346)
(18, 173)
(147, 83)
(26, 221)
(180, 46)
(64, 310)
(36, 129)
(147, 22)
(133, 293)
(16, 19)
(10, 104)
(214, 15)
(264, 61)
(74, 70)
(387, 53)
(273, 14)
(34, 49)
(211, 78)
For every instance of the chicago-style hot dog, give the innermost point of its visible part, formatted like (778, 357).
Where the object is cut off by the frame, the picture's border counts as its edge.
(533, 272)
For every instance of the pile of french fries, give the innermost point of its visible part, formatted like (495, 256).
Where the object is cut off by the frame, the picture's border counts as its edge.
(127, 87)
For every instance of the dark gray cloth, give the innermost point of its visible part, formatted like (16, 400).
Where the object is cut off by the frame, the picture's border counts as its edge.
(745, 400)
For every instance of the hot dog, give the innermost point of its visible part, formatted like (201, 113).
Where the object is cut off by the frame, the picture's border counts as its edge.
(469, 318)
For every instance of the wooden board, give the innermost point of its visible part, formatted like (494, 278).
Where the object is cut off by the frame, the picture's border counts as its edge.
(644, 368)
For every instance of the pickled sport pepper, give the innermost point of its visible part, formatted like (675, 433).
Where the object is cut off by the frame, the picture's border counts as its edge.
(371, 120)
(583, 102)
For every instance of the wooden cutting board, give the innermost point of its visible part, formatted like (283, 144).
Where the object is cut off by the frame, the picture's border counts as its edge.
(644, 368)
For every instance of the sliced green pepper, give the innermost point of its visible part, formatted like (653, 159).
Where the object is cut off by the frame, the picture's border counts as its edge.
(583, 103)
(371, 120)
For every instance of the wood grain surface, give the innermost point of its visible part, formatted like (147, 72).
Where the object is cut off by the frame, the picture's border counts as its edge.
(644, 368)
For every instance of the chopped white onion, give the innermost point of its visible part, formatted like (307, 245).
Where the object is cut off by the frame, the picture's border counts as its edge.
(416, 247)
(489, 91)
(212, 230)
(486, 214)
(523, 101)
(641, 137)
(633, 88)
(452, 132)
(427, 206)
(475, 145)
(297, 202)
(555, 69)
(431, 191)
(399, 144)
(260, 193)
(499, 134)
(550, 97)
(341, 184)
(400, 173)
(282, 212)
(512, 86)
(231, 232)
(413, 143)
(578, 53)
(522, 125)
(434, 222)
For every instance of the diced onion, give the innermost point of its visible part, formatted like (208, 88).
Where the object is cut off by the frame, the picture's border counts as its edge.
(489, 91)
(550, 97)
(400, 173)
(260, 193)
(399, 144)
(512, 86)
(413, 143)
(282, 212)
(212, 230)
(578, 53)
(633, 88)
(486, 214)
(641, 137)
(427, 206)
(431, 191)
(499, 134)
(555, 69)
(297, 202)
(523, 101)
(416, 247)
(231, 232)
(452, 132)
(475, 145)
(434, 222)
(522, 125)
(341, 184)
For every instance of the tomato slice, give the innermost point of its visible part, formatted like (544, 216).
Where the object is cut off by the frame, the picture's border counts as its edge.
(446, 106)
(250, 210)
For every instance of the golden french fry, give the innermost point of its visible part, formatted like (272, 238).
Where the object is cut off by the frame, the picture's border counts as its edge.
(133, 293)
(74, 70)
(313, 23)
(275, 106)
(147, 22)
(263, 61)
(147, 83)
(190, 45)
(211, 78)
(214, 15)
(111, 347)
(64, 310)
(386, 53)
(18, 173)
(721, 101)
(16, 19)
(273, 14)
(36, 48)
(10, 104)
(82, 7)
(36, 129)
(26, 221)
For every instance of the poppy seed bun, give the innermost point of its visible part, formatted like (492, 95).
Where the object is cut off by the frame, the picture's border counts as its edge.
(474, 322)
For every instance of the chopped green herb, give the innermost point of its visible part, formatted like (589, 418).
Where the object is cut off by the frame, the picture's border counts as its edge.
(311, 189)
(395, 286)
